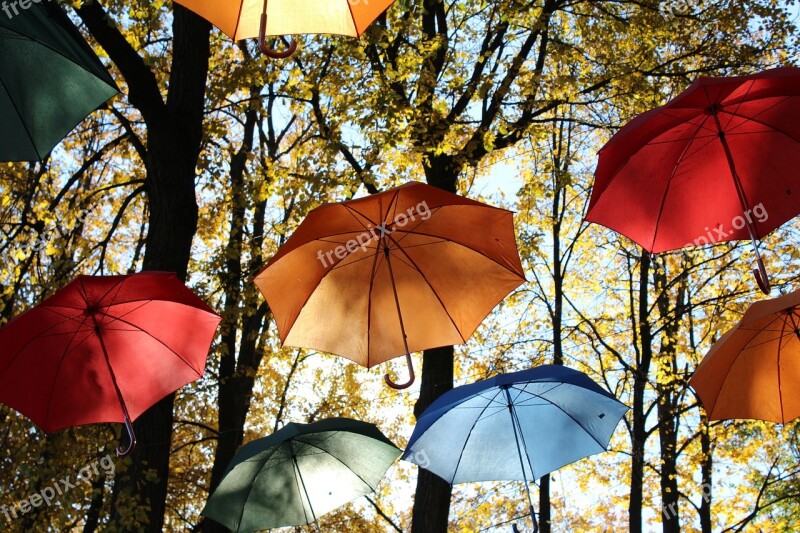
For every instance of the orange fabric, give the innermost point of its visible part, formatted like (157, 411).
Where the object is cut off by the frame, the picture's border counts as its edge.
(753, 371)
(453, 260)
(240, 19)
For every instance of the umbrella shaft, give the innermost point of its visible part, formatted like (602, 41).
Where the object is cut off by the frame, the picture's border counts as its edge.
(517, 437)
(99, 333)
(397, 304)
(736, 181)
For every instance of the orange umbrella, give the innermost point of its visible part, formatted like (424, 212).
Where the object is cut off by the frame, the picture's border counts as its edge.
(245, 19)
(753, 371)
(398, 272)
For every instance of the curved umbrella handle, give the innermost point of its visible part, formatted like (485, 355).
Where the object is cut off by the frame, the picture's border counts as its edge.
(267, 51)
(411, 379)
(762, 279)
(131, 438)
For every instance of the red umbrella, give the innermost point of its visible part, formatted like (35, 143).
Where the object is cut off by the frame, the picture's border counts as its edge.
(717, 163)
(104, 349)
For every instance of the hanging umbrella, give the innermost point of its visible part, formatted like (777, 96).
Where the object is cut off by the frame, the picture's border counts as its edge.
(299, 473)
(516, 426)
(717, 163)
(402, 271)
(104, 349)
(50, 79)
(753, 371)
(245, 19)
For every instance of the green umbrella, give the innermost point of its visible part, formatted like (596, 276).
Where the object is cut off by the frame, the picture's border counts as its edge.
(299, 473)
(50, 79)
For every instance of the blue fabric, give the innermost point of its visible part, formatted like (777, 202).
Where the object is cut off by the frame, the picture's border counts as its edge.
(467, 434)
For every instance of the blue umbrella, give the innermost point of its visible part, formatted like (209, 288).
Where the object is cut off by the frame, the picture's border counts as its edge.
(516, 426)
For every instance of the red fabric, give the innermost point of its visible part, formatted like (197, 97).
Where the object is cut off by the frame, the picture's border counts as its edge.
(156, 332)
(664, 181)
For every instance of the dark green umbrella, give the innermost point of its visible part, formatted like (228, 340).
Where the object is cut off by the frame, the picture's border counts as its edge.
(50, 80)
(299, 473)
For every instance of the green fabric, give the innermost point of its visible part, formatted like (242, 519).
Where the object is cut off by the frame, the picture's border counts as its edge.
(299, 473)
(50, 80)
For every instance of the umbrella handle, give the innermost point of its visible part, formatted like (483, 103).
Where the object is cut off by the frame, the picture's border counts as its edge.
(762, 279)
(407, 384)
(267, 51)
(131, 438)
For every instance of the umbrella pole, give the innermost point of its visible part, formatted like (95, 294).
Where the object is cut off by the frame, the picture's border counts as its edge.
(409, 362)
(262, 45)
(514, 423)
(128, 424)
(760, 273)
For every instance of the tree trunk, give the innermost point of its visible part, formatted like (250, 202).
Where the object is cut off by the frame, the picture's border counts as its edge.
(668, 388)
(706, 468)
(639, 432)
(174, 135)
(432, 497)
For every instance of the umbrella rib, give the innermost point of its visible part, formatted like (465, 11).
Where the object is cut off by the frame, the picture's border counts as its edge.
(329, 454)
(781, 333)
(796, 327)
(159, 341)
(29, 341)
(515, 424)
(469, 434)
(375, 261)
(762, 123)
(428, 283)
(780, 392)
(602, 446)
(299, 476)
(444, 239)
(268, 455)
(367, 256)
(21, 118)
(67, 350)
(742, 100)
(669, 181)
(351, 210)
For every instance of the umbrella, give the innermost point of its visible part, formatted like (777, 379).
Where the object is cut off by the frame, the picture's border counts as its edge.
(753, 371)
(406, 270)
(517, 426)
(244, 19)
(717, 163)
(299, 473)
(104, 349)
(50, 80)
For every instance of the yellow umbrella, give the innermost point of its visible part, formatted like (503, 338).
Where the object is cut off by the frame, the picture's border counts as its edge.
(245, 19)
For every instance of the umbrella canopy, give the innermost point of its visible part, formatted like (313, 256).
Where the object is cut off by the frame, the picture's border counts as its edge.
(299, 473)
(104, 349)
(516, 426)
(50, 80)
(753, 371)
(406, 270)
(245, 19)
(717, 163)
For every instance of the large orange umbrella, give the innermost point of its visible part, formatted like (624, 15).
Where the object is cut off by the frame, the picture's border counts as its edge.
(245, 19)
(753, 371)
(398, 272)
